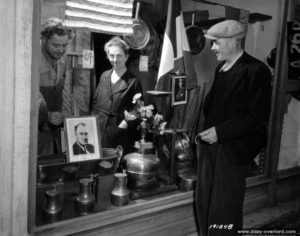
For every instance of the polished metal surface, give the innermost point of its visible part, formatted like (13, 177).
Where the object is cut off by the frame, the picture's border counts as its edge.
(142, 168)
(120, 193)
(187, 179)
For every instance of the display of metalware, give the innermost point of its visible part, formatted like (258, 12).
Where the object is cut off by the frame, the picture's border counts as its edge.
(141, 33)
(84, 202)
(120, 193)
(111, 160)
(187, 179)
(52, 211)
(142, 167)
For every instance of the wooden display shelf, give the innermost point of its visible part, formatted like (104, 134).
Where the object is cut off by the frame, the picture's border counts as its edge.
(289, 172)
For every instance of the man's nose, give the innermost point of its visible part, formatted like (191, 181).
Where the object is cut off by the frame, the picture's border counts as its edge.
(61, 49)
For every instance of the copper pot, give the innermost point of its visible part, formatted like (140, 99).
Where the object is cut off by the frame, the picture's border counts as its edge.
(187, 179)
(141, 33)
(195, 37)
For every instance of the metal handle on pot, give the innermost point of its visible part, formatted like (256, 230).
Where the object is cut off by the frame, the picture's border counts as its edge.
(119, 150)
(138, 7)
(193, 18)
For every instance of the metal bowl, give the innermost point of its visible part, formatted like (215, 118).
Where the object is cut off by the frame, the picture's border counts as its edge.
(187, 179)
(140, 37)
(143, 181)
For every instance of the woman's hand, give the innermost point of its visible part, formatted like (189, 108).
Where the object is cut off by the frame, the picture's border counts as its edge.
(129, 116)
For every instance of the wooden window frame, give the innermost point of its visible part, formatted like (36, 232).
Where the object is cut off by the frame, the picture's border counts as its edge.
(167, 202)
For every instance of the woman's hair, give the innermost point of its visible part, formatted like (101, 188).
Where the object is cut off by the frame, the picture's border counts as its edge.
(116, 41)
(54, 26)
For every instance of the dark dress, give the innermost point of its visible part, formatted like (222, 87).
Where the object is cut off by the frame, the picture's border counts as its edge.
(109, 103)
(238, 106)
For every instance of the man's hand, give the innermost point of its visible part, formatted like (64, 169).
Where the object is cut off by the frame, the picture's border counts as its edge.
(209, 135)
(55, 118)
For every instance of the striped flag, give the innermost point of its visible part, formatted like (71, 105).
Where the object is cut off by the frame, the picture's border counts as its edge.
(176, 53)
(102, 16)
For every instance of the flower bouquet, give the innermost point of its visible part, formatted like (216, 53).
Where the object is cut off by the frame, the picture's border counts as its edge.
(151, 122)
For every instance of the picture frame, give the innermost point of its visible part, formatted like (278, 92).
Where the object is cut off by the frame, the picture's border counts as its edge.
(179, 92)
(82, 139)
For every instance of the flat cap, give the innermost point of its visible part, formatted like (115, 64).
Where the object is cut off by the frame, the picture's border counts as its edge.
(226, 29)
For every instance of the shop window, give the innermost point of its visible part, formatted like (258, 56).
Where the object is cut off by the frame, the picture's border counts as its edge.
(54, 175)
(289, 155)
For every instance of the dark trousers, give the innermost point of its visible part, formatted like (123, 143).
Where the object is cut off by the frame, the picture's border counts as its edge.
(220, 192)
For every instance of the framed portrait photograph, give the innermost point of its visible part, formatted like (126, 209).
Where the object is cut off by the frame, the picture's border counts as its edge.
(82, 139)
(179, 92)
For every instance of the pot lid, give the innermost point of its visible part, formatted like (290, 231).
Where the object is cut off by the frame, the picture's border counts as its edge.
(140, 163)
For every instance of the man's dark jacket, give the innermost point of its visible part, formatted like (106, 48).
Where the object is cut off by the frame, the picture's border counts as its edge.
(77, 150)
(244, 111)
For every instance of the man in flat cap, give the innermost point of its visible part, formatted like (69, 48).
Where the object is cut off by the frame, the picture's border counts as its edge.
(236, 112)
(54, 40)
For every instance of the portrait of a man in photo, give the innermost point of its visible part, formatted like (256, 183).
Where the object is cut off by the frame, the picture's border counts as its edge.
(81, 145)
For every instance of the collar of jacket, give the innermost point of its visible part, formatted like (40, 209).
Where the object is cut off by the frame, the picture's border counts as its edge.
(237, 69)
(47, 65)
(122, 84)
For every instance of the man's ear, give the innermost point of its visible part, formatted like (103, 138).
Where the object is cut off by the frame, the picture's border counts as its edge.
(43, 40)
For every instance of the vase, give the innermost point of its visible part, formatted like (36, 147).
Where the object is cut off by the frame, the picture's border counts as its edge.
(52, 210)
(142, 167)
(143, 130)
(120, 193)
(85, 201)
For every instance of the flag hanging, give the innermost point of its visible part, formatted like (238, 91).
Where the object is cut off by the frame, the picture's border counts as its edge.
(102, 16)
(176, 53)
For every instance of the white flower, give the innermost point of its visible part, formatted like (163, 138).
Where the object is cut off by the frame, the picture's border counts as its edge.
(157, 118)
(148, 108)
(149, 113)
(162, 128)
(136, 97)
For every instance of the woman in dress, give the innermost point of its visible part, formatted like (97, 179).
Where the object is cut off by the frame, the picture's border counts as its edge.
(113, 98)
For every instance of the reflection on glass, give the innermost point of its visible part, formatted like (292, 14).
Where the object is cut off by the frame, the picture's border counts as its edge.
(289, 155)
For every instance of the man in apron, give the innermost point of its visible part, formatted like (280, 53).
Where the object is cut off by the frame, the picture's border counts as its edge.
(54, 41)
